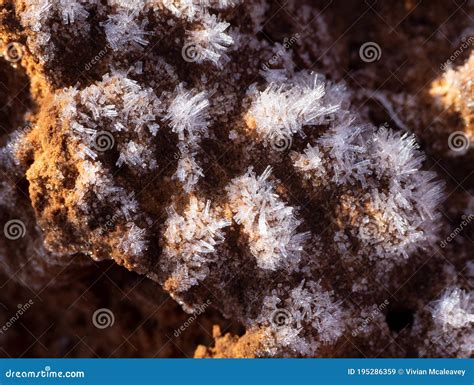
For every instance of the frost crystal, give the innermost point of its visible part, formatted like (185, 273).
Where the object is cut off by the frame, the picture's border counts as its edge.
(451, 331)
(290, 312)
(136, 155)
(455, 309)
(93, 177)
(380, 182)
(134, 242)
(72, 10)
(39, 10)
(310, 163)
(192, 9)
(188, 114)
(123, 29)
(268, 222)
(191, 240)
(285, 108)
(188, 117)
(124, 108)
(211, 42)
(188, 171)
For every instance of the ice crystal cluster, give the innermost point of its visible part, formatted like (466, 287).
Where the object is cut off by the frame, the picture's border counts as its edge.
(168, 149)
(453, 316)
(455, 91)
(266, 220)
(306, 312)
(191, 241)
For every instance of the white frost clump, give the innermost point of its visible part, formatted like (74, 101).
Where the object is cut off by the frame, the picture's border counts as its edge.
(99, 114)
(290, 315)
(405, 209)
(455, 309)
(384, 193)
(397, 158)
(452, 332)
(124, 30)
(38, 11)
(210, 42)
(113, 113)
(310, 163)
(191, 240)
(188, 118)
(188, 172)
(268, 222)
(192, 9)
(286, 107)
(136, 156)
(94, 178)
(188, 114)
(37, 15)
(71, 10)
(94, 185)
(134, 242)
(345, 146)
